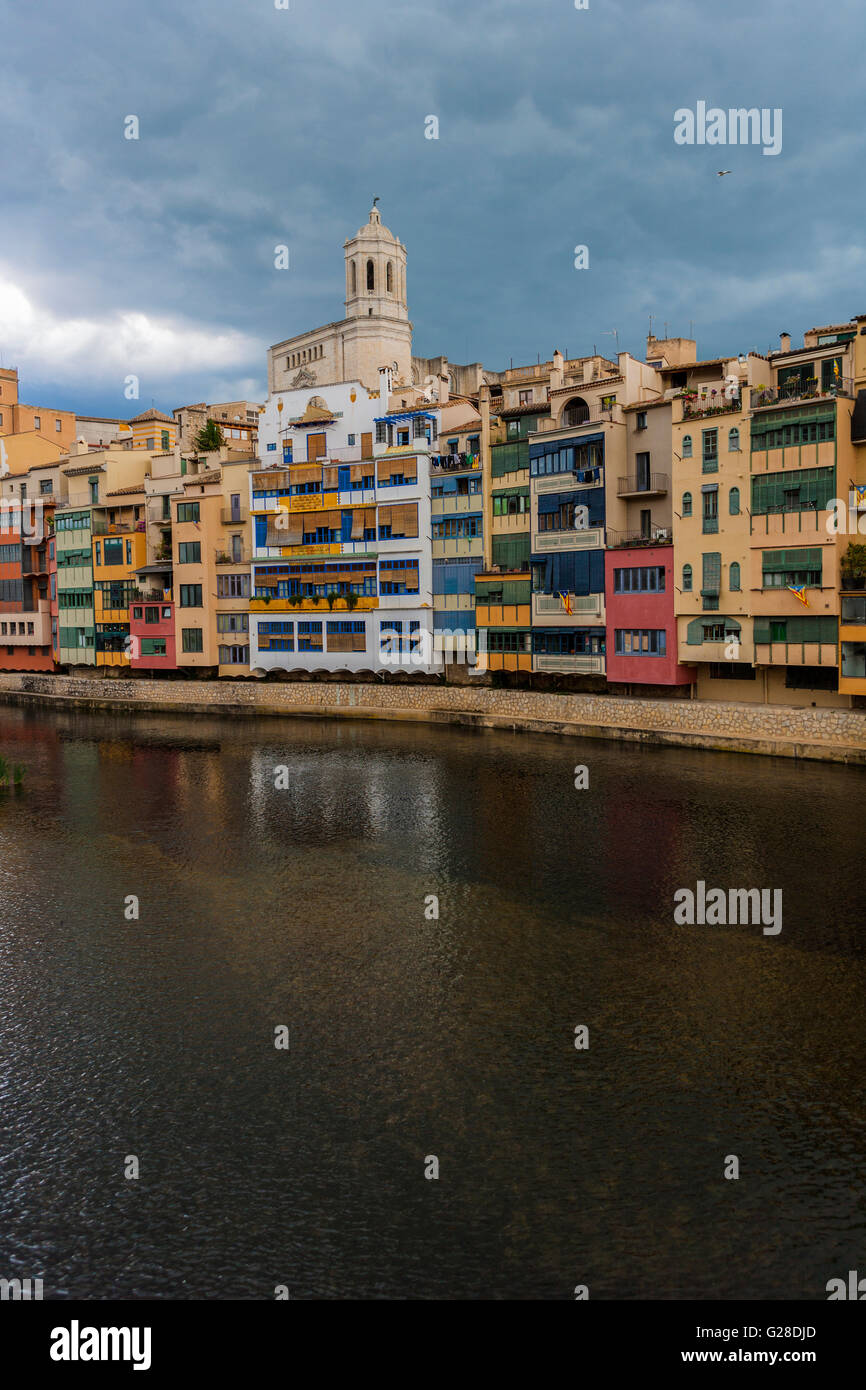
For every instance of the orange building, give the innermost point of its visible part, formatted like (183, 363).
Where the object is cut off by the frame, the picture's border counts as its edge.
(58, 426)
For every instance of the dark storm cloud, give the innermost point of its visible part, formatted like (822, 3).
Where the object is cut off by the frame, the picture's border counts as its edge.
(261, 126)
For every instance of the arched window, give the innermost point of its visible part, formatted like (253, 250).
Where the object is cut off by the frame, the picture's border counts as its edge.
(687, 579)
(576, 412)
(734, 440)
(734, 577)
(389, 278)
(687, 504)
(687, 446)
(734, 501)
(371, 276)
(354, 277)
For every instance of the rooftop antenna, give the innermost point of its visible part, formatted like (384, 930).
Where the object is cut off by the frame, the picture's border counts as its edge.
(666, 330)
(651, 317)
(612, 333)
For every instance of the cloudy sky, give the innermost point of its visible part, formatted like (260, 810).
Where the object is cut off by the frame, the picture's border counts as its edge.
(261, 126)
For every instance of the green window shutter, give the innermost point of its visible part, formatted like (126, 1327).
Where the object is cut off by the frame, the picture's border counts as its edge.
(712, 572)
(695, 633)
(511, 552)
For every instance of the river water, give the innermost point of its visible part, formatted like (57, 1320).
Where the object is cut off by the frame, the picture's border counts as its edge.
(412, 1037)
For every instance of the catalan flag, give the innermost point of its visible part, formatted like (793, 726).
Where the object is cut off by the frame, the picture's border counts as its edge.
(859, 491)
(566, 602)
(799, 591)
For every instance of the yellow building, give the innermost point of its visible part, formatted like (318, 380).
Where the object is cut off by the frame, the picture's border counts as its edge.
(712, 556)
(802, 461)
(119, 548)
(210, 557)
(154, 431)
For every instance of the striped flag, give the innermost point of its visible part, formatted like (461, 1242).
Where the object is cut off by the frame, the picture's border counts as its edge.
(799, 591)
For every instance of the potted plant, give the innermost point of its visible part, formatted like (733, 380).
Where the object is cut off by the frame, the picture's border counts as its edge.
(853, 567)
(351, 601)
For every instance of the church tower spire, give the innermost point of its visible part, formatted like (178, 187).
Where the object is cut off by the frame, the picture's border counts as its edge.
(376, 272)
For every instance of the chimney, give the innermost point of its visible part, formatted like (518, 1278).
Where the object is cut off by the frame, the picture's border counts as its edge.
(785, 342)
(557, 371)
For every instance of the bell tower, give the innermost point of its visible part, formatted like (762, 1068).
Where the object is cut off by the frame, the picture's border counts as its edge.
(376, 273)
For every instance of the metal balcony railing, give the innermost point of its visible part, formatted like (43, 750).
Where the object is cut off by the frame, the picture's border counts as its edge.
(660, 535)
(797, 392)
(643, 486)
(240, 556)
(228, 517)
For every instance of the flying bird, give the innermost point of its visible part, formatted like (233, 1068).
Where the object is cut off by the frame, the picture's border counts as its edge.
(722, 172)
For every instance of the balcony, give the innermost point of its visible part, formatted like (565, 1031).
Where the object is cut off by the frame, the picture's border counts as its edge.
(661, 535)
(238, 556)
(454, 463)
(715, 402)
(800, 392)
(570, 482)
(650, 485)
(101, 527)
(573, 665)
(545, 541)
(229, 516)
(156, 517)
(549, 607)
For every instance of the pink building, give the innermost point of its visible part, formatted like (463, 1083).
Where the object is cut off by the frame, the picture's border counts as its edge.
(151, 628)
(641, 632)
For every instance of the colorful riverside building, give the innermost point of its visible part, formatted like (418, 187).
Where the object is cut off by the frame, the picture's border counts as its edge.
(192, 609)
(25, 605)
(577, 456)
(103, 502)
(710, 470)
(341, 566)
(457, 523)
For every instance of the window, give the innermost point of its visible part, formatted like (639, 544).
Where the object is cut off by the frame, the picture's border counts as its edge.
(525, 397)
(734, 441)
(371, 281)
(646, 579)
(165, 444)
(191, 639)
(94, 489)
(190, 596)
(129, 552)
(643, 642)
(734, 577)
(151, 614)
(854, 610)
(641, 420)
(310, 636)
(389, 278)
(710, 513)
(148, 443)
(687, 446)
(712, 579)
(710, 453)
(153, 646)
(189, 553)
(136, 613)
(233, 656)
(687, 504)
(233, 622)
(166, 613)
(233, 586)
(687, 579)
(351, 441)
(37, 422)
(781, 568)
(46, 487)
(734, 501)
(188, 511)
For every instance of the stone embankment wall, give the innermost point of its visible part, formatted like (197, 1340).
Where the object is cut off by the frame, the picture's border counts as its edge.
(829, 734)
